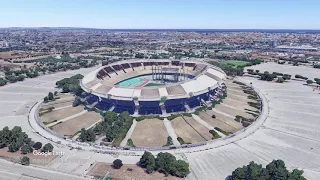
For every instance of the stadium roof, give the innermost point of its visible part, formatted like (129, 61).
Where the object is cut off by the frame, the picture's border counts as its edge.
(204, 80)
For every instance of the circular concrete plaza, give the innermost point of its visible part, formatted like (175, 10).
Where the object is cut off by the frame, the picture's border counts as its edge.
(287, 129)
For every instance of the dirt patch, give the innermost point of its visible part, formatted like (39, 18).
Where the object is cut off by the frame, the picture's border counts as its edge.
(16, 156)
(57, 104)
(228, 121)
(73, 125)
(60, 114)
(127, 172)
(199, 128)
(238, 93)
(187, 132)
(216, 123)
(150, 132)
(233, 111)
(238, 104)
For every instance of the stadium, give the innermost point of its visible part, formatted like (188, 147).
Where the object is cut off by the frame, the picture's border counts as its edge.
(145, 87)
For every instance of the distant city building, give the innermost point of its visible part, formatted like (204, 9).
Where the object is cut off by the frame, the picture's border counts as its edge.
(303, 47)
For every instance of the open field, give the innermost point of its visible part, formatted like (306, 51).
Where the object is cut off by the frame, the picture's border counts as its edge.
(150, 132)
(127, 172)
(236, 63)
(217, 123)
(238, 104)
(64, 100)
(228, 121)
(57, 104)
(233, 111)
(199, 127)
(237, 92)
(240, 98)
(186, 132)
(60, 114)
(73, 125)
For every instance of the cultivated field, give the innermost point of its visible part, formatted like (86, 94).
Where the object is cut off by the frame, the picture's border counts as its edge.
(187, 132)
(73, 125)
(150, 132)
(127, 172)
(60, 114)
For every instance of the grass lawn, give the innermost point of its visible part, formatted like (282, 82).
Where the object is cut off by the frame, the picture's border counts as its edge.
(236, 63)
(153, 84)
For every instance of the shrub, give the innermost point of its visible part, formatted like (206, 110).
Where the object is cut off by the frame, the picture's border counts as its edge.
(13, 147)
(117, 164)
(309, 81)
(26, 149)
(37, 145)
(222, 131)
(47, 148)
(169, 141)
(181, 141)
(215, 135)
(130, 143)
(25, 160)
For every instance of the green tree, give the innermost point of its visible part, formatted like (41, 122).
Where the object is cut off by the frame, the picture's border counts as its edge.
(296, 175)
(37, 145)
(45, 99)
(181, 169)
(47, 148)
(25, 160)
(87, 135)
(165, 162)
(26, 149)
(309, 81)
(117, 164)
(148, 161)
(280, 80)
(13, 147)
(50, 96)
(277, 170)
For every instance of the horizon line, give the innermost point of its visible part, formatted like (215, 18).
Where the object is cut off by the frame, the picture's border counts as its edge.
(158, 28)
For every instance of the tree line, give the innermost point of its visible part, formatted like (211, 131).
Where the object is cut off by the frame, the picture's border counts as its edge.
(276, 170)
(165, 163)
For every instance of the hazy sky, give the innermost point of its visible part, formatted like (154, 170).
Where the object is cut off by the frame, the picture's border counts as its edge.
(200, 14)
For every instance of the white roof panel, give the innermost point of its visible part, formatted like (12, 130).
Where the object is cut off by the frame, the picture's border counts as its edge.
(121, 92)
(207, 81)
(216, 73)
(163, 92)
(90, 77)
(96, 86)
(193, 86)
(137, 93)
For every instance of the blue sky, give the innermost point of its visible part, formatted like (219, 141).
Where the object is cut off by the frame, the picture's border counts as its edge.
(158, 14)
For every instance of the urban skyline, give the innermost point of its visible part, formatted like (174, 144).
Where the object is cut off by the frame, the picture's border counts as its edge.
(166, 14)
